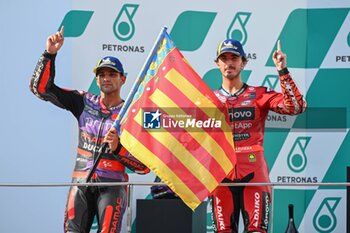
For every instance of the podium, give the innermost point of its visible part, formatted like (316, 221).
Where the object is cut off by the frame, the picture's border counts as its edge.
(169, 215)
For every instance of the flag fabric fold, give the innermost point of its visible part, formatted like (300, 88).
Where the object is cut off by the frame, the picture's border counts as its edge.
(174, 124)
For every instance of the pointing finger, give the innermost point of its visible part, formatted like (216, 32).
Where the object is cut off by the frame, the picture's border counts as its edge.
(62, 30)
(278, 45)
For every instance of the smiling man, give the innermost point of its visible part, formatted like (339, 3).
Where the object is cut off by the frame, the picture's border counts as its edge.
(248, 107)
(95, 115)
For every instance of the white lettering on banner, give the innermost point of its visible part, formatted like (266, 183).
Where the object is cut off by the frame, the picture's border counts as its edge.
(88, 146)
(256, 209)
(93, 147)
(267, 209)
(194, 123)
(220, 218)
(240, 114)
(219, 214)
(241, 125)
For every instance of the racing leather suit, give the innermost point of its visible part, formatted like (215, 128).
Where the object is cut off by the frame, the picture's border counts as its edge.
(94, 120)
(248, 109)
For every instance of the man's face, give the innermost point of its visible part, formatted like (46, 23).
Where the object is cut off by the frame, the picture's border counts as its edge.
(230, 65)
(109, 80)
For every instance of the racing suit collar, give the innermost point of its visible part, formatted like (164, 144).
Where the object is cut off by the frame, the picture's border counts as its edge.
(105, 108)
(239, 92)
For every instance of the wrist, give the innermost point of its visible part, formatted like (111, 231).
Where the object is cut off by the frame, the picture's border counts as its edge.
(283, 71)
(117, 150)
(49, 55)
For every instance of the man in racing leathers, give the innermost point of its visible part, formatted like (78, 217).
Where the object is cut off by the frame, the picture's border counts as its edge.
(248, 108)
(95, 115)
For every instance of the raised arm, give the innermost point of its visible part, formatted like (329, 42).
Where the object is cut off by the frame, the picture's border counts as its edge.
(291, 101)
(42, 81)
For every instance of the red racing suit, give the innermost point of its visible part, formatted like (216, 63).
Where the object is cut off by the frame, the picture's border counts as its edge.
(248, 109)
(94, 120)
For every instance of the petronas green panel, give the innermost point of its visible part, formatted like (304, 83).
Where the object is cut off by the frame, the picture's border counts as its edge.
(337, 170)
(75, 22)
(191, 28)
(94, 88)
(328, 101)
(273, 142)
(308, 34)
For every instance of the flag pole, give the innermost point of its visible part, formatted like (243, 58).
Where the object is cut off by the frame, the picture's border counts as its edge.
(138, 81)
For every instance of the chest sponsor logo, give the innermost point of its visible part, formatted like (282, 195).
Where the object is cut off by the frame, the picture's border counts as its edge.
(241, 136)
(241, 114)
(92, 123)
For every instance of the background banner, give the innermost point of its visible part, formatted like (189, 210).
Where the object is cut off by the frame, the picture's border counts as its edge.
(38, 139)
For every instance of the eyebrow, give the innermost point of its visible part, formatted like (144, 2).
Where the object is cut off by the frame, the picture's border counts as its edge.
(107, 72)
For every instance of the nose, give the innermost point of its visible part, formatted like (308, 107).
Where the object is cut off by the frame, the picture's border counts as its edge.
(106, 77)
(229, 61)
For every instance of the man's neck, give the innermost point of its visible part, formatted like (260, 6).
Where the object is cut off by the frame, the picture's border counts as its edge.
(111, 100)
(232, 85)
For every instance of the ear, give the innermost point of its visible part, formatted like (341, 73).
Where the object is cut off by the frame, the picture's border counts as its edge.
(123, 78)
(216, 62)
(244, 63)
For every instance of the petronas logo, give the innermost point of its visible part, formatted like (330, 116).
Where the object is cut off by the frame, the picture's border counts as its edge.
(237, 29)
(124, 27)
(325, 219)
(297, 159)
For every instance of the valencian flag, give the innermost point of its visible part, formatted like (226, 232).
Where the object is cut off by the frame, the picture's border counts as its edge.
(174, 124)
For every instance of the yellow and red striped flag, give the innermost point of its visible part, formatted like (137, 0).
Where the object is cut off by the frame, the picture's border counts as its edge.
(175, 125)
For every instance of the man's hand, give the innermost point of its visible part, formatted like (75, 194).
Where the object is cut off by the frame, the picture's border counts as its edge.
(112, 138)
(279, 58)
(55, 41)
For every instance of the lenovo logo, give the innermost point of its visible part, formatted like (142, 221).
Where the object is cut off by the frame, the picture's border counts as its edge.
(241, 114)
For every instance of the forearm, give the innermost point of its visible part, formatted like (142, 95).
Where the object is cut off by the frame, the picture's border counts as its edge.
(124, 157)
(42, 80)
(293, 101)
